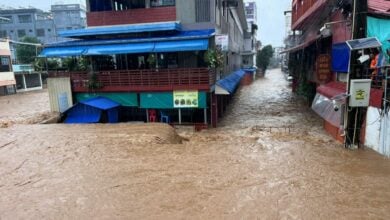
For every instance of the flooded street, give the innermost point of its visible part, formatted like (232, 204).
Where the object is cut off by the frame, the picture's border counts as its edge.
(269, 159)
(24, 108)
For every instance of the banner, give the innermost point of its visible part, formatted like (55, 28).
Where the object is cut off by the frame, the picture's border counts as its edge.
(222, 41)
(185, 99)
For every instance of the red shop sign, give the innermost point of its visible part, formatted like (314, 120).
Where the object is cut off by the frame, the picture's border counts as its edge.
(323, 67)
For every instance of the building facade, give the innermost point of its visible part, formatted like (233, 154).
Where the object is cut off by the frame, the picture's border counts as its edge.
(69, 16)
(151, 57)
(250, 46)
(7, 79)
(329, 55)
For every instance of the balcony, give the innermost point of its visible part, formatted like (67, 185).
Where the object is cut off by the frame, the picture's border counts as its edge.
(303, 10)
(132, 16)
(150, 80)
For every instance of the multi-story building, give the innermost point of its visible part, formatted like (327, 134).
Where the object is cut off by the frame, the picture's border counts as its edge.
(19, 23)
(24, 22)
(331, 54)
(146, 54)
(69, 16)
(250, 46)
(7, 79)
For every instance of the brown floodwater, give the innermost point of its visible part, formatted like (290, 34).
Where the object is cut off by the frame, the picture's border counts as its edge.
(269, 159)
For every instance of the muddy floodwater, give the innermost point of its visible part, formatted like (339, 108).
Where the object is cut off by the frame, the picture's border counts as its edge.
(269, 159)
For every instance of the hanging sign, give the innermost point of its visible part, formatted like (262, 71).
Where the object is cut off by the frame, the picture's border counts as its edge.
(185, 99)
(222, 41)
(323, 67)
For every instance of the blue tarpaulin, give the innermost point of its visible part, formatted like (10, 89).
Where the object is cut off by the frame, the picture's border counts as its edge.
(91, 110)
(121, 29)
(231, 82)
(340, 57)
(379, 28)
(183, 41)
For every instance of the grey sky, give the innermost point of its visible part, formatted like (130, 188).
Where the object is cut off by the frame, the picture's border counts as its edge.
(272, 21)
(270, 14)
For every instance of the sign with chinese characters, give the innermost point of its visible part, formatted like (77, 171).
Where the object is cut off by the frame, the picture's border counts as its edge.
(222, 41)
(323, 67)
(185, 99)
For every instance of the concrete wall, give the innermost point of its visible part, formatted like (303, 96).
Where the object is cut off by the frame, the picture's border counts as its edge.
(377, 135)
(60, 94)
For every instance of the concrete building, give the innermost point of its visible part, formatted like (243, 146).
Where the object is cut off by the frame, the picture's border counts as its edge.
(69, 16)
(27, 22)
(251, 43)
(153, 51)
(7, 79)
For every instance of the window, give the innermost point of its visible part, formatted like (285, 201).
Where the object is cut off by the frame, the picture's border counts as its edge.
(21, 33)
(6, 20)
(30, 31)
(5, 64)
(49, 30)
(3, 33)
(162, 3)
(24, 18)
(40, 32)
(202, 10)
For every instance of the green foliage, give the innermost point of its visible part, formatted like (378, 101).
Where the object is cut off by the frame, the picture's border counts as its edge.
(26, 54)
(93, 82)
(214, 58)
(151, 60)
(264, 56)
(40, 64)
(75, 64)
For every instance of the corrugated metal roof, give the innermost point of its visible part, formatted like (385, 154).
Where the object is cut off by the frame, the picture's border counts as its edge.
(379, 6)
(121, 29)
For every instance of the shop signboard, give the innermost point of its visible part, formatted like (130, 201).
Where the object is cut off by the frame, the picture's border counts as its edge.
(185, 99)
(323, 68)
(222, 41)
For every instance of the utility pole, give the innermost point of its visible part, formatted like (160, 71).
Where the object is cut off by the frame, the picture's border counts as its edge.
(354, 116)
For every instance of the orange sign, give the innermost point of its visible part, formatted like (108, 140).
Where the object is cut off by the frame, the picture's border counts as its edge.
(323, 67)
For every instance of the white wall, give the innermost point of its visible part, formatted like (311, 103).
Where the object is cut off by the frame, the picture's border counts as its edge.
(378, 131)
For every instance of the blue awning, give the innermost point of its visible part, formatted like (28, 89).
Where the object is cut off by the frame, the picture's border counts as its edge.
(120, 49)
(63, 51)
(183, 41)
(229, 84)
(121, 29)
(340, 57)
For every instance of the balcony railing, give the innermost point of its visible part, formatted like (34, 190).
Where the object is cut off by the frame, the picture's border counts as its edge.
(142, 80)
(131, 16)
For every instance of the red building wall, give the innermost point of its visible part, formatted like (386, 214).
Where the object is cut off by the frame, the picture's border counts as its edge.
(133, 16)
(341, 32)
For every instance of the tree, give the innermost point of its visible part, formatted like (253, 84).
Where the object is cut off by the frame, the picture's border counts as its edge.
(26, 54)
(264, 56)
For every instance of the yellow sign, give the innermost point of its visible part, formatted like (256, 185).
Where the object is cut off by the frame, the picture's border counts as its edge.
(360, 95)
(185, 99)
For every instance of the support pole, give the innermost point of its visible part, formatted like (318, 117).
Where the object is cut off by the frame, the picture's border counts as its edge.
(205, 115)
(147, 115)
(24, 83)
(179, 116)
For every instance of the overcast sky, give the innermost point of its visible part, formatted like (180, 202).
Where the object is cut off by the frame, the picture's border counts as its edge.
(270, 15)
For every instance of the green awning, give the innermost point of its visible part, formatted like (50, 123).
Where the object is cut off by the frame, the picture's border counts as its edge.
(164, 100)
(123, 98)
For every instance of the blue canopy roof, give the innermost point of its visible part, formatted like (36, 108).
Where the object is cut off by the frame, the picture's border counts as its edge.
(90, 111)
(231, 82)
(183, 41)
(121, 29)
(100, 103)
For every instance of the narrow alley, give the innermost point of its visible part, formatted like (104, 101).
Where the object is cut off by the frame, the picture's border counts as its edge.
(269, 159)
